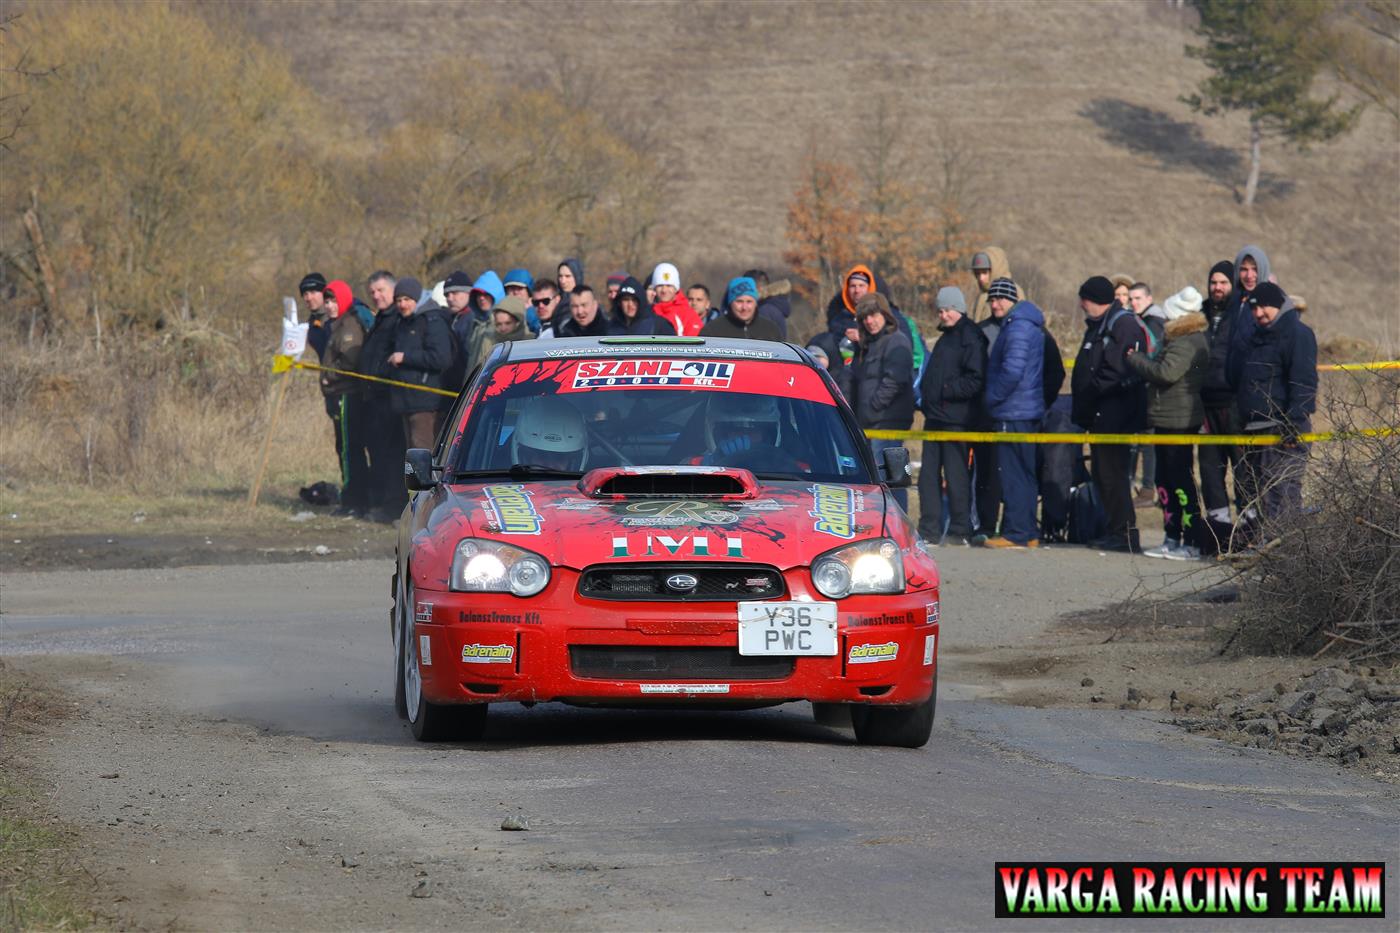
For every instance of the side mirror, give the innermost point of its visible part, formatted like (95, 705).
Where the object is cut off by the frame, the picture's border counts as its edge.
(898, 473)
(418, 469)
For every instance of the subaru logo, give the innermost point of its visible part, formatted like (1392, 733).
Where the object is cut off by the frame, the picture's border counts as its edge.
(681, 583)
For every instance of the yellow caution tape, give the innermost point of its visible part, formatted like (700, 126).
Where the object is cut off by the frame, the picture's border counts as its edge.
(280, 364)
(1173, 440)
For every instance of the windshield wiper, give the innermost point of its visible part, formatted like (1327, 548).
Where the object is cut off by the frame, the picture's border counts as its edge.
(519, 471)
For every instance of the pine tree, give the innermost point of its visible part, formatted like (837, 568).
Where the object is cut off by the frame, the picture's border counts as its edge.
(1263, 56)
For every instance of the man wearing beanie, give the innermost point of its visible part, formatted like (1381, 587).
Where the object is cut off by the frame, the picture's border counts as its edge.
(1109, 398)
(1221, 417)
(671, 306)
(1015, 400)
(312, 289)
(1277, 395)
(1000, 296)
(740, 318)
(422, 354)
(950, 391)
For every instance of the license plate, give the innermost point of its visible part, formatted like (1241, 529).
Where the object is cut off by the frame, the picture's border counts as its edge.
(794, 628)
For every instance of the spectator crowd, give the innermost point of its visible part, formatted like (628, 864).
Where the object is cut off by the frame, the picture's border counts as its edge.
(1237, 359)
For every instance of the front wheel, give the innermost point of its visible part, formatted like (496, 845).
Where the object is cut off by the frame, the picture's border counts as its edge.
(900, 726)
(429, 722)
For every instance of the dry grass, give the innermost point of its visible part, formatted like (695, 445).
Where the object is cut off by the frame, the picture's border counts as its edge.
(1088, 162)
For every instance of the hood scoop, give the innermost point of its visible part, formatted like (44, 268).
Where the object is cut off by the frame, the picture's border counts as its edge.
(678, 482)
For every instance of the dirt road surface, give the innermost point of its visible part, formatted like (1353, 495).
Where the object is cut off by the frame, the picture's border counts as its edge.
(234, 762)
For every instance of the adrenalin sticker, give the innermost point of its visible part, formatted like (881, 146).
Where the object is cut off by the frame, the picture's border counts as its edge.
(511, 509)
(488, 654)
(868, 654)
(834, 508)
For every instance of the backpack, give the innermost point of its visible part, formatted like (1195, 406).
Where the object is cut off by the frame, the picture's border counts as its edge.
(1087, 520)
(1149, 339)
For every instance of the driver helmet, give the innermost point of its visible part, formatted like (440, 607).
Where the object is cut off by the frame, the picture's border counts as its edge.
(549, 432)
(733, 415)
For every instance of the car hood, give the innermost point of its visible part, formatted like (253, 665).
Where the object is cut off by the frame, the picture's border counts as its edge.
(575, 523)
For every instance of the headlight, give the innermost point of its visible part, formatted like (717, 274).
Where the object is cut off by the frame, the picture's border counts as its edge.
(481, 566)
(873, 566)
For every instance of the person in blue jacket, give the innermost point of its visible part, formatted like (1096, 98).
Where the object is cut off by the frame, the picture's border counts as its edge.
(1015, 401)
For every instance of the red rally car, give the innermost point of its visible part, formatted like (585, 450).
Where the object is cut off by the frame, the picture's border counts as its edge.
(660, 521)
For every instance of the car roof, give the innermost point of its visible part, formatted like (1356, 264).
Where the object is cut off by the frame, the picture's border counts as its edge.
(679, 347)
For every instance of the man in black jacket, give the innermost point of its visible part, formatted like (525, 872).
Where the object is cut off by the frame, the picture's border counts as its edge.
(740, 318)
(383, 429)
(1219, 400)
(1110, 398)
(422, 354)
(1277, 394)
(949, 391)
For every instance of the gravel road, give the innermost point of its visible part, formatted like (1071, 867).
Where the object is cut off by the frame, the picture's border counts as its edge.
(234, 762)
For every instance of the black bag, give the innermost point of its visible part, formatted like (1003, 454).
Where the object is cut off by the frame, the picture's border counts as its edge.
(1087, 520)
(1056, 465)
(320, 493)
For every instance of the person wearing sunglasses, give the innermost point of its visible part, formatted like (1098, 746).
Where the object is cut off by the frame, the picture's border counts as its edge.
(546, 301)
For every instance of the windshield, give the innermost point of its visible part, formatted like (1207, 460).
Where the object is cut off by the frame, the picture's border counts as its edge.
(567, 417)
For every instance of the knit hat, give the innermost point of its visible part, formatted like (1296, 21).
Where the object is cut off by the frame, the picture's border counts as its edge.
(1002, 288)
(740, 287)
(871, 302)
(665, 274)
(458, 281)
(1098, 289)
(1182, 303)
(859, 275)
(950, 297)
(408, 287)
(1225, 267)
(981, 261)
(313, 282)
(521, 277)
(513, 305)
(818, 354)
(1268, 295)
(617, 278)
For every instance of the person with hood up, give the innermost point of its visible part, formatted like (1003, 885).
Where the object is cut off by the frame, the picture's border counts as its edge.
(569, 275)
(345, 339)
(950, 393)
(841, 310)
(1277, 395)
(585, 317)
(879, 383)
(1174, 381)
(1015, 401)
(774, 301)
(507, 324)
(1221, 416)
(487, 292)
(422, 354)
(1109, 398)
(988, 265)
(740, 318)
(1252, 269)
(632, 315)
(671, 305)
(519, 282)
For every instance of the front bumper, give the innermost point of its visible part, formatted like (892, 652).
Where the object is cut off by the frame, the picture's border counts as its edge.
(494, 647)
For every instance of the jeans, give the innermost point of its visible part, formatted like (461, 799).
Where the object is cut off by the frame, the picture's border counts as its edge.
(1019, 489)
(876, 447)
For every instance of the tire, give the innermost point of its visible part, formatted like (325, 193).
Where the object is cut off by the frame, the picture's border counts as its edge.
(832, 715)
(400, 704)
(900, 726)
(429, 722)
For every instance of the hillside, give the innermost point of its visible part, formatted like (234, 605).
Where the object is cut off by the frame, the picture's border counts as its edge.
(1085, 160)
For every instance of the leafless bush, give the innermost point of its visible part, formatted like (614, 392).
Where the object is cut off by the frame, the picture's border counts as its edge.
(1328, 578)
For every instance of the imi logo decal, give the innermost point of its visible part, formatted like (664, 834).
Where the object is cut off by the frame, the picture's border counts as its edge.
(645, 545)
(605, 374)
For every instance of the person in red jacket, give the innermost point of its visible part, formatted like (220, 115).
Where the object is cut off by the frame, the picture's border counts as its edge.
(671, 305)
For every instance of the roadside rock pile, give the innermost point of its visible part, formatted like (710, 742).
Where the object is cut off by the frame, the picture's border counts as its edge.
(1350, 715)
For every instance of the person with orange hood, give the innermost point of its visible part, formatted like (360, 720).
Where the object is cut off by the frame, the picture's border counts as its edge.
(841, 310)
(347, 317)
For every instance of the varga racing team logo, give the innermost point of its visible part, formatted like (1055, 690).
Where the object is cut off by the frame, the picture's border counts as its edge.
(603, 374)
(488, 654)
(511, 509)
(868, 654)
(834, 508)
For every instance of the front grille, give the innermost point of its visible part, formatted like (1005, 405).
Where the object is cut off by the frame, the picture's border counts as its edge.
(714, 582)
(629, 662)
